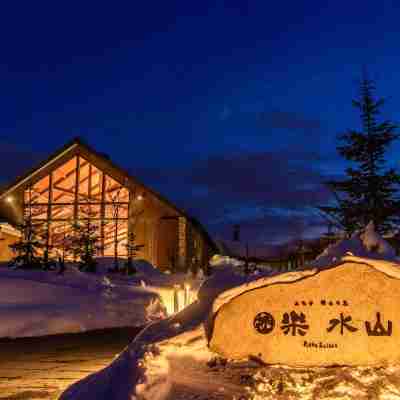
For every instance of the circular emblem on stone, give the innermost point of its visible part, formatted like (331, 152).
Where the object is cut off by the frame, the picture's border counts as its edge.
(264, 323)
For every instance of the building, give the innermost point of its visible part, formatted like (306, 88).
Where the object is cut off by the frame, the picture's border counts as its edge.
(79, 184)
(8, 235)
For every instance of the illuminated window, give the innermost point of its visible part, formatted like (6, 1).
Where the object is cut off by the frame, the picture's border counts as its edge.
(77, 194)
(63, 183)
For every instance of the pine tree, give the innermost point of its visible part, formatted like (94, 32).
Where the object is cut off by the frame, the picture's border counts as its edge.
(132, 250)
(369, 191)
(28, 248)
(84, 244)
(115, 204)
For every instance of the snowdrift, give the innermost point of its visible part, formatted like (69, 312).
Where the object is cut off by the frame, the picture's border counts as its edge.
(368, 244)
(144, 370)
(36, 303)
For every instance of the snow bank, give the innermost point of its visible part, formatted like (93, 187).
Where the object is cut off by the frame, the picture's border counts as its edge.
(144, 371)
(223, 261)
(368, 244)
(389, 268)
(141, 371)
(373, 242)
(36, 303)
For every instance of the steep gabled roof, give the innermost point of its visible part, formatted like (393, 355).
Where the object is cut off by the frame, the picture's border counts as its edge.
(21, 179)
(78, 142)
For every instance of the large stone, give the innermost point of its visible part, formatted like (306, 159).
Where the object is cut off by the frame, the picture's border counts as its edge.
(347, 315)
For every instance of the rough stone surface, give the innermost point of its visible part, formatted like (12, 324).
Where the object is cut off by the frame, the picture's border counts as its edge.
(329, 318)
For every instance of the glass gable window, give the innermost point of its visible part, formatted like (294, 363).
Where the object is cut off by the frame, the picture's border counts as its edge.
(77, 191)
(63, 183)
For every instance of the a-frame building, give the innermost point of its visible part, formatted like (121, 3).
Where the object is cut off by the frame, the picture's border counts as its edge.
(79, 184)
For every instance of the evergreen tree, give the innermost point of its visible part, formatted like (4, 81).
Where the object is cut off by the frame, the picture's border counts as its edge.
(84, 244)
(28, 248)
(115, 204)
(369, 191)
(132, 249)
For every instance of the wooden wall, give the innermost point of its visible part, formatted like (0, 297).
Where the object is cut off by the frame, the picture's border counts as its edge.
(158, 227)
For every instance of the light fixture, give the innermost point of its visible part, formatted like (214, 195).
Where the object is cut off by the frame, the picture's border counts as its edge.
(140, 197)
(9, 199)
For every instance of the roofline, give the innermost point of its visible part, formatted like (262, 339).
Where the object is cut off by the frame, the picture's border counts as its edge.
(55, 156)
(76, 142)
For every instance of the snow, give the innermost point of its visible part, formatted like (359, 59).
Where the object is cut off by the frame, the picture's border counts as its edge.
(367, 243)
(373, 242)
(141, 371)
(145, 272)
(326, 383)
(37, 303)
(228, 294)
(225, 261)
(389, 268)
(170, 358)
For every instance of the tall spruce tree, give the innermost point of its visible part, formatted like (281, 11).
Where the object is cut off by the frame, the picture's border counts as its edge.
(369, 191)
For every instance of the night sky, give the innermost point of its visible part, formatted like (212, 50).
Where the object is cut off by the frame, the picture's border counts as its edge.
(229, 109)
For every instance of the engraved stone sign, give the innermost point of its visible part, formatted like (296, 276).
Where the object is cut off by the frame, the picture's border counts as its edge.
(346, 315)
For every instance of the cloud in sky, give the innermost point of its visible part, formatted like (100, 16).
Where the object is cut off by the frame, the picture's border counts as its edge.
(271, 195)
(264, 118)
(275, 179)
(286, 120)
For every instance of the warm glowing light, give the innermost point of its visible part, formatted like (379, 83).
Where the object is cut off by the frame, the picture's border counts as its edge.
(9, 199)
(140, 197)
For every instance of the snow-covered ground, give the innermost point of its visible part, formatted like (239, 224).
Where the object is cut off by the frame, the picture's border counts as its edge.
(37, 303)
(172, 349)
(170, 359)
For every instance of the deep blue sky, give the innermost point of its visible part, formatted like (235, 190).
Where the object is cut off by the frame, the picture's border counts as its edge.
(229, 108)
